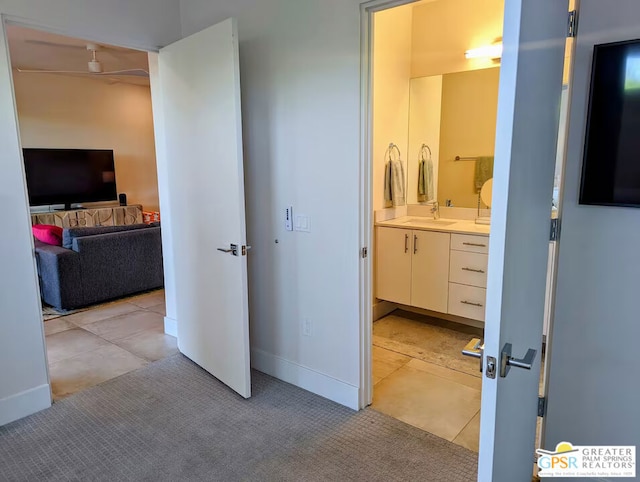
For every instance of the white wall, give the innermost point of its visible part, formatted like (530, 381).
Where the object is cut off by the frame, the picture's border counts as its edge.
(300, 79)
(593, 389)
(391, 72)
(145, 23)
(57, 111)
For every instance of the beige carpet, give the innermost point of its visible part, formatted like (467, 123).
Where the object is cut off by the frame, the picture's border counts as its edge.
(428, 339)
(172, 421)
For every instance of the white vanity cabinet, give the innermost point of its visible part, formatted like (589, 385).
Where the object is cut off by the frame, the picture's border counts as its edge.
(437, 271)
(430, 270)
(393, 265)
(412, 267)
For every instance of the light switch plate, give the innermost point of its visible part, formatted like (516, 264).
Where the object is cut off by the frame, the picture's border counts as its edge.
(288, 221)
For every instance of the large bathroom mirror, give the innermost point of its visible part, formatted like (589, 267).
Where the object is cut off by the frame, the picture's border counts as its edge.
(455, 116)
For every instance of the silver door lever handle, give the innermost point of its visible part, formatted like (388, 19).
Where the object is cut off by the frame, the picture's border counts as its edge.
(475, 349)
(233, 249)
(507, 361)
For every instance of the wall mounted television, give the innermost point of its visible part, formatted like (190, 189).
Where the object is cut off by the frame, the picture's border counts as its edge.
(611, 163)
(69, 176)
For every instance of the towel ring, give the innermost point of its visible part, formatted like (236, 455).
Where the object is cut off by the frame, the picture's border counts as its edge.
(423, 150)
(391, 149)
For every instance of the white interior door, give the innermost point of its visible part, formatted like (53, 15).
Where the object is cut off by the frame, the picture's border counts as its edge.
(527, 129)
(592, 388)
(196, 98)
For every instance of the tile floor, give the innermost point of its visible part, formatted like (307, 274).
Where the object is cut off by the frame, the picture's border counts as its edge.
(106, 341)
(437, 399)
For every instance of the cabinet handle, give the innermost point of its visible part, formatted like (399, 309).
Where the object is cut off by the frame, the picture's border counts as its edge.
(475, 244)
(415, 244)
(473, 270)
(479, 305)
(406, 243)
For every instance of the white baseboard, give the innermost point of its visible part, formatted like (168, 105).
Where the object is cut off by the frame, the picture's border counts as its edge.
(24, 404)
(170, 326)
(306, 378)
(382, 309)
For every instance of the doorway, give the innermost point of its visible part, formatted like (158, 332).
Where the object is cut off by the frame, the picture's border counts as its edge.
(421, 207)
(212, 181)
(434, 121)
(87, 133)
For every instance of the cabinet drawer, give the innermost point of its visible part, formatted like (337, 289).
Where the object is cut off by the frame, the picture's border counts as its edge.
(468, 268)
(468, 242)
(467, 301)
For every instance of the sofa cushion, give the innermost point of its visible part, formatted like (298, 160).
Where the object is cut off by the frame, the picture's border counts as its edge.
(47, 234)
(70, 233)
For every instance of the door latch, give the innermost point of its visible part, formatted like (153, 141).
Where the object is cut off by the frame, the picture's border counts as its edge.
(491, 367)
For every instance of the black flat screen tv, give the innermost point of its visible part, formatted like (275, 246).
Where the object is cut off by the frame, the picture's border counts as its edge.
(611, 163)
(69, 176)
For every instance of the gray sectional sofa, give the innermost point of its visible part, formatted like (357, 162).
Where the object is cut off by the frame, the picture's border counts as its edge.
(99, 264)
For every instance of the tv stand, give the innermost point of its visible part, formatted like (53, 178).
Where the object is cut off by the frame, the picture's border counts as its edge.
(67, 207)
(89, 217)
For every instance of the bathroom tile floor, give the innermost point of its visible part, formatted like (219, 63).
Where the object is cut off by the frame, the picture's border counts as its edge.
(432, 397)
(108, 340)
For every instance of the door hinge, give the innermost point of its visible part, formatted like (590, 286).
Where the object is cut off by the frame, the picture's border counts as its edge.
(554, 234)
(542, 406)
(572, 24)
(364, 252)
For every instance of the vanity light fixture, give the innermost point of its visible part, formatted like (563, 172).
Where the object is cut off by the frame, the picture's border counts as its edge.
(493, 51)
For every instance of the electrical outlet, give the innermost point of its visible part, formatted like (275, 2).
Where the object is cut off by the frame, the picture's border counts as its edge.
(306, 327)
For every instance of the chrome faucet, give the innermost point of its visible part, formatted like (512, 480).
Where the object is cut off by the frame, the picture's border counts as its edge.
(435, 209)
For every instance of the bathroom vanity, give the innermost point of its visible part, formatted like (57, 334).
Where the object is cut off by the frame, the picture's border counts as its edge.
(433, 264)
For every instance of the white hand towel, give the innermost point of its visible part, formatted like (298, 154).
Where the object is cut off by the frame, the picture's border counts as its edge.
(426, 191)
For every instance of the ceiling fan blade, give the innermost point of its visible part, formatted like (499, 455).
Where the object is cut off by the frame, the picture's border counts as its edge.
(128, 72)
(41, 71)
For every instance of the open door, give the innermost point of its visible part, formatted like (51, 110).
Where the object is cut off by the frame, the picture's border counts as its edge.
(592, 391)
(196, 101)
(527, 129)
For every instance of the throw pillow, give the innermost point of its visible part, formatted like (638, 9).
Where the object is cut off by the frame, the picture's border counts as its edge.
(48, 234)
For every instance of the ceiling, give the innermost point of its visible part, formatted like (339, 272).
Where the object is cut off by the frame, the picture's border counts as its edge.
(31, 50)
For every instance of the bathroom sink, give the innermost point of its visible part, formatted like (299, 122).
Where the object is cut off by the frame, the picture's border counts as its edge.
(429, 222)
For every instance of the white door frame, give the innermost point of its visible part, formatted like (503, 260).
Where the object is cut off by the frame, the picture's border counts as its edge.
(26, 23)
(367, 11)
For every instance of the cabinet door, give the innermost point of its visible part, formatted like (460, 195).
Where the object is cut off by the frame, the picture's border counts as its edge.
(430, 270)
(393, 266)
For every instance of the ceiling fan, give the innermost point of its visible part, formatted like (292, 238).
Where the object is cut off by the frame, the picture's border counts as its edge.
(94, 66)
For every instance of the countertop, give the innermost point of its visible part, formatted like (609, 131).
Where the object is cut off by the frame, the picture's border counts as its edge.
(459, 226)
